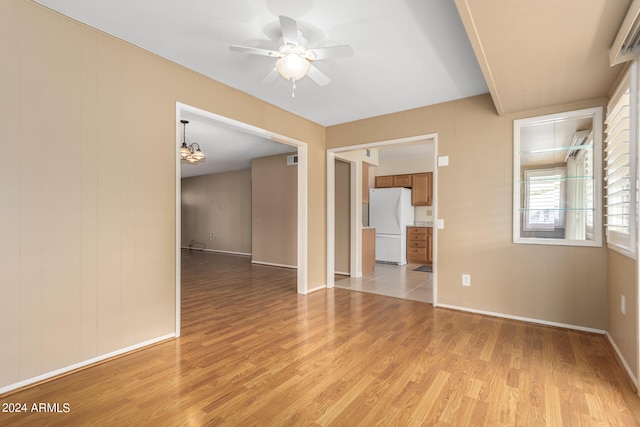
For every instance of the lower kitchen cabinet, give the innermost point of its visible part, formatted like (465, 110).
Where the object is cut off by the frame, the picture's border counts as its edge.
(420, 244)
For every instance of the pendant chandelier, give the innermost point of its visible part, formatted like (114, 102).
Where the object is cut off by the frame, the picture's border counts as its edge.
(191, 153)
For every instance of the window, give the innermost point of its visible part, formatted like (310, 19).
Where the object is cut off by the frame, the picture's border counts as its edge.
(557, 179)
(545, 197)
(620, 189)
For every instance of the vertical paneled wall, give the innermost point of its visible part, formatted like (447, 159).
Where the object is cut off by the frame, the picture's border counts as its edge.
(87, 226)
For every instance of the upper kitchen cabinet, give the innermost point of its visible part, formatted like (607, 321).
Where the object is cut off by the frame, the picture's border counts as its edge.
(387, 181)
(422, 189)
(402, 181)
(384, 181)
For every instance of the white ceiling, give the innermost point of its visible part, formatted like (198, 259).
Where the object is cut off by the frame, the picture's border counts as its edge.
(407, 54)
(227, 148)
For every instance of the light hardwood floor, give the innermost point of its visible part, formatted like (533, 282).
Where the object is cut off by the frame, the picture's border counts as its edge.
(253, 352)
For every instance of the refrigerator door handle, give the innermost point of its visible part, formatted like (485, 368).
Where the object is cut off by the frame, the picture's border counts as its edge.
(398, 217)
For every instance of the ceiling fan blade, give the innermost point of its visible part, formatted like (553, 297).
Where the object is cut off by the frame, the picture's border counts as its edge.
(330, 52)
(254, 51)
(271, 77)
(289, 28)
(318, 76)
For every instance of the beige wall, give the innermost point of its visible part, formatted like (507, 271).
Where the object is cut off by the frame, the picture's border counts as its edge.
(623, 328)
(274, 223)
(342, 217)
(218, 204)
(551, 283)
(87, 247)
(400, 165)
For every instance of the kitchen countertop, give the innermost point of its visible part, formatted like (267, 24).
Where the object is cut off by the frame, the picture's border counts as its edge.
(422, 224)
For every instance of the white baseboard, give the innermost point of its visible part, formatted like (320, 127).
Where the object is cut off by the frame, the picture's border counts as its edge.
(216, 251)
(319, 288)
(622, 359)
(295, 267)
(343, 273)
(523, 319)
(82, 364)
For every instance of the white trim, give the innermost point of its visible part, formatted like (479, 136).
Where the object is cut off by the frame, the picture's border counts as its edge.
(217, 251)
(431, 138)
(355, 219)
(331, 219)
(342, 273)
(272, 264)
(636, 167)
(523, 319)
(622, 360)
(622, 250)
(319, 288)
(302, 218)
(75, 366)
(434, 231)
(302, 238)
(178, 236)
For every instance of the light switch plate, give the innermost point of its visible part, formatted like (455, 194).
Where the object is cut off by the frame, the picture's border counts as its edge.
(443, 161)
(440, 224)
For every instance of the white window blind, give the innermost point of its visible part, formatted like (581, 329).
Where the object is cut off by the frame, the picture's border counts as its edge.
(620, 189)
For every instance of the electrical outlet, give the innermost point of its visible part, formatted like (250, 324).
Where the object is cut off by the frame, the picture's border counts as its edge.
(466, 280)
(211, 236)
(623, 304)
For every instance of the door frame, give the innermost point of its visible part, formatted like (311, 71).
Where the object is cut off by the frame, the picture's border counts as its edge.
(356, 211)
(302, 229)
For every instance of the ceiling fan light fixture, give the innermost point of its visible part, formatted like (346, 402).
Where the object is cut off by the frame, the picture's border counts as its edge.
(293, 66)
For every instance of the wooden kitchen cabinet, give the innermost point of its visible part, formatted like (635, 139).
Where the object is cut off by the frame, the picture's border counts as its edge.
(422, 189)
(368, 250)
(387, 181)
(420, 244)
(402, 180)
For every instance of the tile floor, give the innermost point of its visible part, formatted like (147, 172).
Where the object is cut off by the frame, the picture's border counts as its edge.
(392, 280)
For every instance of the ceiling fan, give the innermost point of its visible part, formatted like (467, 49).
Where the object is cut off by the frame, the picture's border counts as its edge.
(294, 60)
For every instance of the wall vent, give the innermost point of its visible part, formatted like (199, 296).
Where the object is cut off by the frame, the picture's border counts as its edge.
(292, 160)
(626, 46)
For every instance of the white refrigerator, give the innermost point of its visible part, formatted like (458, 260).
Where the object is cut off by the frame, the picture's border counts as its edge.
(390, 212)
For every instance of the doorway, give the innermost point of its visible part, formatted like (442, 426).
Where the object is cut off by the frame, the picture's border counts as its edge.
(357, 208)
(302, 171)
